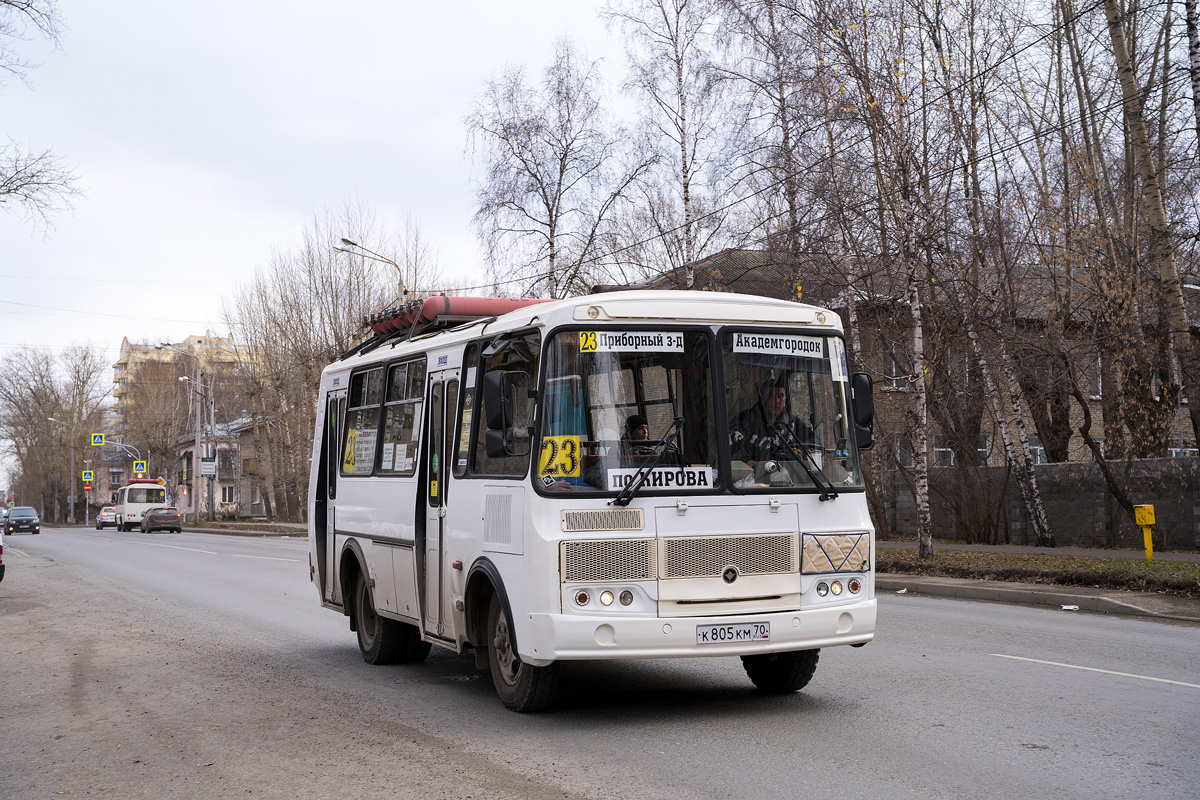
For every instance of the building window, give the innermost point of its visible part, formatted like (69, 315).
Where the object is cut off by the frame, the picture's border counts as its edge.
(225, 461)
(1037, 451)
(249, 466)
(943, 456)
(1094, 380)
(903, 456)
(984, 448)
(227, 494)
(898, 368)
(256, 496)
(1179, 447)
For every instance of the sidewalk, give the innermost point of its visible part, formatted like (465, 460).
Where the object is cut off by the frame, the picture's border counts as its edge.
(1105, 601)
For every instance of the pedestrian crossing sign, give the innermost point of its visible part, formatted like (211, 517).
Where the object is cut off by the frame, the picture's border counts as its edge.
(139, 466)
(87, 476)
(97, 439)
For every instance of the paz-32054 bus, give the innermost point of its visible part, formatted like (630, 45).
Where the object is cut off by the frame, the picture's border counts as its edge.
(635, 474)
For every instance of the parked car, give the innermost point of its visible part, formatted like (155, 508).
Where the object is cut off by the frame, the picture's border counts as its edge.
(162, 518)
(107, 518)
(3, 516)
(22, 518)
(1, 561)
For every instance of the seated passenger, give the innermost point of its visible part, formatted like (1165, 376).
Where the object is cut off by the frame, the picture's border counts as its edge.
(636, 430)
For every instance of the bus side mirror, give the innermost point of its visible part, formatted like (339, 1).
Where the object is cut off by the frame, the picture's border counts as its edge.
(498, 402)
(862, 401)
(499, 443)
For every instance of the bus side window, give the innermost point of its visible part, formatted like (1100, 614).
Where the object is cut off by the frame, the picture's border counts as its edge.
(362, 422)
(462, 444)
(402, 415)
(511, 354)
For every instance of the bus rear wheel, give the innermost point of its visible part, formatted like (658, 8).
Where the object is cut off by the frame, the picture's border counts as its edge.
(382, 640)
(781, 673)
(522, 687)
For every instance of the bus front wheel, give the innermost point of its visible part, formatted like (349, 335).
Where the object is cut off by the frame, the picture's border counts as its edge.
(522, 687)
(781, 673)
(382, 640)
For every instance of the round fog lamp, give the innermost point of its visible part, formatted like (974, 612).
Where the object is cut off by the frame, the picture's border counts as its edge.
(836, 588)
(822, 589)
(626, 597)
(582, 598)
(855, 584)
(606, 598)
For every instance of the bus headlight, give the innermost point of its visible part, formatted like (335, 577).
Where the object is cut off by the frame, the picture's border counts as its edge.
(606, 598)
(582, 598)
(854, 585)
(822, 589)
(626, 598)
(836, 588)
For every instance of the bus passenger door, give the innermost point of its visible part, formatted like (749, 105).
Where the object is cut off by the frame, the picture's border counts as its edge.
(442, 405)
(335, 411)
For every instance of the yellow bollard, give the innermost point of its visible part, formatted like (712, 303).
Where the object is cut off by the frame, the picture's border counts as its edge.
(1144, 516)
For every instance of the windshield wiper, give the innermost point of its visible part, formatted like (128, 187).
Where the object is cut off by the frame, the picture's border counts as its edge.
(638, 478)
(823, 483)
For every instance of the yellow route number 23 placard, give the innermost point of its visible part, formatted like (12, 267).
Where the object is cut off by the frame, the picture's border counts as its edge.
(559, 457)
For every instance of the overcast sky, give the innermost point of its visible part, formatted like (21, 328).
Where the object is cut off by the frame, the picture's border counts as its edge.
(205, 135)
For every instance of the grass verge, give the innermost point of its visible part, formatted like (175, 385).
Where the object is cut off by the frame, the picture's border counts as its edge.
(1170, 577)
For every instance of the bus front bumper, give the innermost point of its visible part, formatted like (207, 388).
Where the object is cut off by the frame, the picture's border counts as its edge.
(564, 637)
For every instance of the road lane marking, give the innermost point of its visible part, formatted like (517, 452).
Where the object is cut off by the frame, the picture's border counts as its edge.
(267, 558)
(1102, 671)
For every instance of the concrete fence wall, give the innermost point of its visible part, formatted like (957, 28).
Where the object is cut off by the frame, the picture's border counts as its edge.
(985, 505)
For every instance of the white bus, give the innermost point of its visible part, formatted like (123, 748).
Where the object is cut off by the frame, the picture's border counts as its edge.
(475, 486)
(135, 498)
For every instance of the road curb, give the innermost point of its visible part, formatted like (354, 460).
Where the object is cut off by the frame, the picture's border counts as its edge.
(299, 533)
(1138, 604)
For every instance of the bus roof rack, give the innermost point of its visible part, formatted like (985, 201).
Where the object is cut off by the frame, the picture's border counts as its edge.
(429, 314)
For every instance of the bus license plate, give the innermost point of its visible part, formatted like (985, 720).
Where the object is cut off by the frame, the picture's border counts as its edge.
(745, 632)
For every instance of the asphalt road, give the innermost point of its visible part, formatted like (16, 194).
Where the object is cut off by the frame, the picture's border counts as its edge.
(198, 666)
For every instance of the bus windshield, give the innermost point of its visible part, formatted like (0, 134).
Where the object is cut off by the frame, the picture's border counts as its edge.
(150, 494)
(617, 401)
(789, 423)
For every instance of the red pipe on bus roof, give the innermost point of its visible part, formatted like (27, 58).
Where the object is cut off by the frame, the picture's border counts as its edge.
(431, 308)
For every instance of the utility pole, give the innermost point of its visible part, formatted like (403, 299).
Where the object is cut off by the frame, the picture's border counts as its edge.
(212, 452)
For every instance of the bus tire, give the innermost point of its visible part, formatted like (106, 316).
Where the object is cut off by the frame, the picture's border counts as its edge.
(781, 673)
(382, 640)
(522, 687)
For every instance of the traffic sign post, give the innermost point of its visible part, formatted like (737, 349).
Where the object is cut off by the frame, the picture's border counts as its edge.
(140, 466)
(97, 439)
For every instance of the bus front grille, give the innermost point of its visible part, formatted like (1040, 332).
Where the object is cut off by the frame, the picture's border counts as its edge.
(709, 556)
(608, 560)
(610, 519)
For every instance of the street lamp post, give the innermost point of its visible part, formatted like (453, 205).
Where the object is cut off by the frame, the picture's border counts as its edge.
(71, 495)
(212, 436)
(196, 447)
(371, 254)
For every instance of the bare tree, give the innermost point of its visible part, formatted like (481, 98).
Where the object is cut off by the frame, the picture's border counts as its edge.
(296, 315)
(49, 404)
(552, 174)
(34, 182)
(668, 46)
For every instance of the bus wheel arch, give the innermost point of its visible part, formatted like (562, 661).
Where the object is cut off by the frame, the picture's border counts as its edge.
(483, 581)
(350, 566)
(522, 687)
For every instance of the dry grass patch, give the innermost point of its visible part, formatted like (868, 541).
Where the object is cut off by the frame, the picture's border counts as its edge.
(1170, 577)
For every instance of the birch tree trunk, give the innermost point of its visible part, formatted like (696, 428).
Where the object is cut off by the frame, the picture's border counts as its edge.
(1162, 251)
